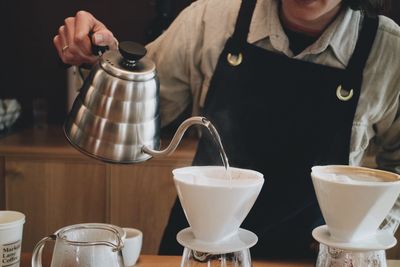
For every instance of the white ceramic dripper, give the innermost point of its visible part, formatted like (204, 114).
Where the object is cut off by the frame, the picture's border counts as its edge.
(354, 200)
(214, 205)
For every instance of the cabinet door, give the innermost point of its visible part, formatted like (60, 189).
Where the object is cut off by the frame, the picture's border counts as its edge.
(142, 196)
(53, 194)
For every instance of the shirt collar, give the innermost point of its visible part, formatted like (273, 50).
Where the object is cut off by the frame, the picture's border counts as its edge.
(266, 24)
(344, 37)
(340, 36)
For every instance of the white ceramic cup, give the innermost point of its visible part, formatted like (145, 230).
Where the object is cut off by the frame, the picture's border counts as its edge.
(354, 200)
(11, 227)
(214, 205)
(132, 245)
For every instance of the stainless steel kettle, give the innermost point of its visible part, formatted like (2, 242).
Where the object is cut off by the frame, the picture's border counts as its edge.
(115, 117)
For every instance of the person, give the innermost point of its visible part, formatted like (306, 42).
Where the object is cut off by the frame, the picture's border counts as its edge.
(289, 84)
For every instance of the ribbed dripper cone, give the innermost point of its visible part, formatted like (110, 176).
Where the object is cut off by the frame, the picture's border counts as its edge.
(354, 200)
(214, 205)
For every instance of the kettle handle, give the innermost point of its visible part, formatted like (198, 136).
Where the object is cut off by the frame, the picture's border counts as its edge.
(37, 251)
(97, 50)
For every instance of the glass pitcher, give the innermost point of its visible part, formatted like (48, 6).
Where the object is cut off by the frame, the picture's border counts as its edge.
(334, 257)
(91, 244)
(192, 258)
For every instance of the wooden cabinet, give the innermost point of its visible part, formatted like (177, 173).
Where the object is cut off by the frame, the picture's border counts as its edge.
(52, 193)
(142, 197)
(54, 186)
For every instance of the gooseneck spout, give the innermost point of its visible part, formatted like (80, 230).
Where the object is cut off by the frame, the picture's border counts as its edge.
(177, 137)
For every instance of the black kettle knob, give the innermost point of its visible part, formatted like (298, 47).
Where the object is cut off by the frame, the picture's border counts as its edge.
(131, 51)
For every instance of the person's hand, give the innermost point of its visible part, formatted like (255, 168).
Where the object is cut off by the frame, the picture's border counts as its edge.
(72, 41)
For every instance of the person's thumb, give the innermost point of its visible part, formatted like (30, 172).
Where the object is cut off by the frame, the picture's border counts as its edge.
(104, 38)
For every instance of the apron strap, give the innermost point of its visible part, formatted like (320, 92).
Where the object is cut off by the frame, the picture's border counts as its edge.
(363, 47)
(242, 27)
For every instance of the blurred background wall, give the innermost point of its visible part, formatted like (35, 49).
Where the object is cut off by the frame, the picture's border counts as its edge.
(30, 69)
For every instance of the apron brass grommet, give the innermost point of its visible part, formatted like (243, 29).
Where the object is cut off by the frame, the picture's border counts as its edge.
(235, 60)
(346, 96)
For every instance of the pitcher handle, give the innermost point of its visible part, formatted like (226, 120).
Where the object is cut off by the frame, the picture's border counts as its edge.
(37, 251)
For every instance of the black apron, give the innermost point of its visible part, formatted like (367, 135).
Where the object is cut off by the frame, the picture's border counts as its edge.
(279, 116)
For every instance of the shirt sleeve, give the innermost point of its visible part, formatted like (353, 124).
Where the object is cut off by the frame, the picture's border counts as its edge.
(387, 109)
(389, 156)
(389, 159)
(176, 55)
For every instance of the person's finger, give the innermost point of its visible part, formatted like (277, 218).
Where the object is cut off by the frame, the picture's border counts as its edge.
(74, 56)
(69, 28)
(62, 49)
(62, 52)
(58, 44)
(62, 35)
(82, 56)
(71, 54)
(66, 43)
(62, 43)
(81, 52)
(84, 23)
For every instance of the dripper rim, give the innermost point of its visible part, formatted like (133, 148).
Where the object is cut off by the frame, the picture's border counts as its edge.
(393, 178)
(256, 180)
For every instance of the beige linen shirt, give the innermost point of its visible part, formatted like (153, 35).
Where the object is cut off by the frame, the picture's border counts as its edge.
(187, 53)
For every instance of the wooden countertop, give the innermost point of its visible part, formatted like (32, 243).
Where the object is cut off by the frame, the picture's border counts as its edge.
(173, 261)
(50, 141)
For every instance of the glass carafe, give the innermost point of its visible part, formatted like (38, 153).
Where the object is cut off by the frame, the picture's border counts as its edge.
(91, 244)
(193, 258)
(334, 257)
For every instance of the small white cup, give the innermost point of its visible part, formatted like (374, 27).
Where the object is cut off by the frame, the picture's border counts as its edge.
(11, 226)
(132, 246)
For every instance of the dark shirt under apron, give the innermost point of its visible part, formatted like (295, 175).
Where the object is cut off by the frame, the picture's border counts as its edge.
(279, 116)
(298, 41)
